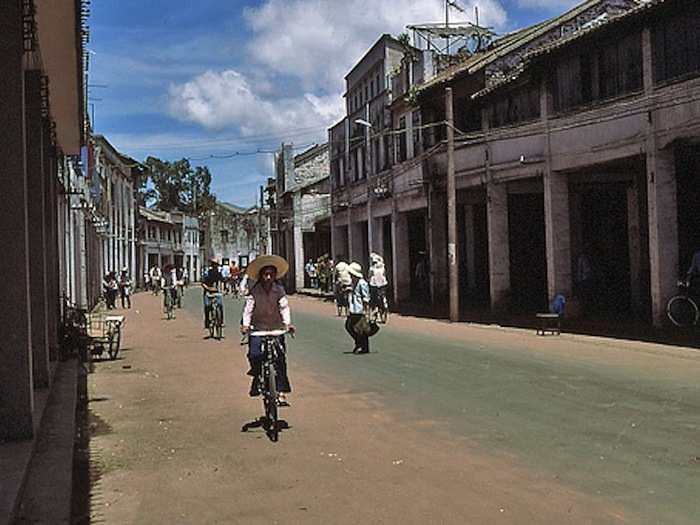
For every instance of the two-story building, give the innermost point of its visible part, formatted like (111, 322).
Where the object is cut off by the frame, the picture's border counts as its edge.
(574, 149)
(302, 229)
(233, 233)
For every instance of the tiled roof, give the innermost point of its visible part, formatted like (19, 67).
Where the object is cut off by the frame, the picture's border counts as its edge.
(546, 49)
(505, 45)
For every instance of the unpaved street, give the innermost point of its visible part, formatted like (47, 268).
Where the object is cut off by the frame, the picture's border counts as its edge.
(440, 424)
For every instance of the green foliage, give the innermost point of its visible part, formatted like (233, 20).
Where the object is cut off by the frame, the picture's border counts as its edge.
(176, 185)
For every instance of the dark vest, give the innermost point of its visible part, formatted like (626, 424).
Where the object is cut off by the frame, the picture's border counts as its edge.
(266, 313)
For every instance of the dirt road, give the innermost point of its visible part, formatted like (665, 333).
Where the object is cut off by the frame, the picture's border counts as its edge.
(440, 425)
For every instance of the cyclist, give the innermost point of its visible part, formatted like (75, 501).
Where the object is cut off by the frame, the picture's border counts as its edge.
(211, 284)
(168, 284)
(267, 308)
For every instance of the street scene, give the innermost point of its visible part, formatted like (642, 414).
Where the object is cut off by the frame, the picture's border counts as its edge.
(304, 261)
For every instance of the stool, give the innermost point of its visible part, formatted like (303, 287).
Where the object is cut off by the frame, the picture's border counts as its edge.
(548, 323)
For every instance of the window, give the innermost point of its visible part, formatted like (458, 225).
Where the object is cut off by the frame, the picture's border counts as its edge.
(401, 150)
(675, 44)
(416, 133)
(614, 70)
(620, 67)
(515, 107)
(224, 236)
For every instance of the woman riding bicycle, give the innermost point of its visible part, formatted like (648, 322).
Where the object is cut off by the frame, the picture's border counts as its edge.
(266, 309)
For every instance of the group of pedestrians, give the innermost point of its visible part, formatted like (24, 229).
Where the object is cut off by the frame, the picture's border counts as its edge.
(319, 273)
(356, 296)
(113, 286)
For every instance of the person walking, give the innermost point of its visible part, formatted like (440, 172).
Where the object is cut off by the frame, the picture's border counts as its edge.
(356, 323)
(125, 288)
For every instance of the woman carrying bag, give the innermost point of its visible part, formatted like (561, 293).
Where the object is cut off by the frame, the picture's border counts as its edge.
(357, 324)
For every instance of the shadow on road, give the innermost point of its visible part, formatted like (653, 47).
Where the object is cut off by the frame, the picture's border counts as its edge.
(264, 424)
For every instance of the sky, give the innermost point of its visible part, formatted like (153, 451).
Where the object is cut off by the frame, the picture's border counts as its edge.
(234, 79)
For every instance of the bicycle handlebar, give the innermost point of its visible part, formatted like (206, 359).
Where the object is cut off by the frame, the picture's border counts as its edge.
(269, 333)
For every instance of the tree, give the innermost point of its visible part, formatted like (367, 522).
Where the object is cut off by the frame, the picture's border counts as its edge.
(176, 185)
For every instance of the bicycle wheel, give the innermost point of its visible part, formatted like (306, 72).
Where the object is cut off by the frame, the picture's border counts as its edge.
(210, 321)
(271, 403)
(114, 342)
(219, 323)
(682, 311)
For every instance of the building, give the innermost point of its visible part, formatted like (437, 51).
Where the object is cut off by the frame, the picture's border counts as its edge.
(233, 233)
(42, 141)
(114, 195)
(575, 140)
(168, 238)
(302, 218)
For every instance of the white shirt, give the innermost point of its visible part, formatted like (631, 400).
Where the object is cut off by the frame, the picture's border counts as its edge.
(377, 275)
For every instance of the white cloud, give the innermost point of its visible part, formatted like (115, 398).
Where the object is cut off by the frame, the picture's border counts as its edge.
(319, 41)
(218, 100)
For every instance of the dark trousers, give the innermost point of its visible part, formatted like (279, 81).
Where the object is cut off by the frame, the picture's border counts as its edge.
(125, 297)
(256, 357)
(361, 341)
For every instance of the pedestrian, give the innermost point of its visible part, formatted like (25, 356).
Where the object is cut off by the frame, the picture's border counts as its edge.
(343, 286)
(356, 323)
(377, 280)
(125, 288)
(111, 289)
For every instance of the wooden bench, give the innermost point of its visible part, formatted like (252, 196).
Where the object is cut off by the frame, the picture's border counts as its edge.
(548, 323)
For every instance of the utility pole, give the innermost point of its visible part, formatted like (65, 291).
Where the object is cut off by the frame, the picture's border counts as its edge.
(451, 211)
(447, 24)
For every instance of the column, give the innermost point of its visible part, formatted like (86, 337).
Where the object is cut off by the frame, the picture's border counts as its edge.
(16, 390)
(37, 235)
(377, 244)
(558, 238)
(298, 243)
(53, 270)
(401, 266)
(635, 247)
(663, 228)
(438, 247)
(499, 250)
(470, 247)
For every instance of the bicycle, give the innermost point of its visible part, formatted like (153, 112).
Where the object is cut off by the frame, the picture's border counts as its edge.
(268, 379)
(379, 306)
(169, 303)
(215, 316)
(682, 309)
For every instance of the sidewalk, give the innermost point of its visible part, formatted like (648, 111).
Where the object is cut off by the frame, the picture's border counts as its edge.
(36, 474)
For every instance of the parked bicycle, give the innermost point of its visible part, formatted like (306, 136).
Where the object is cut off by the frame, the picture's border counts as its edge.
(682, 309)
(215, 316)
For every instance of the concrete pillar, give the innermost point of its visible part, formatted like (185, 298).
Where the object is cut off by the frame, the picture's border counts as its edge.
(37, 228)
(437, 236)
(635, 248)
(53, 271)
(298, 244)
(470, 246)
(558, 239)
(16, 392)
(377, 244)
(663, 228)
(401, 265)
(351, 248)
(499, 250)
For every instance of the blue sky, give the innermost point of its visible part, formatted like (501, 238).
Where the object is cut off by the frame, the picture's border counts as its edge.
(216, 77)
